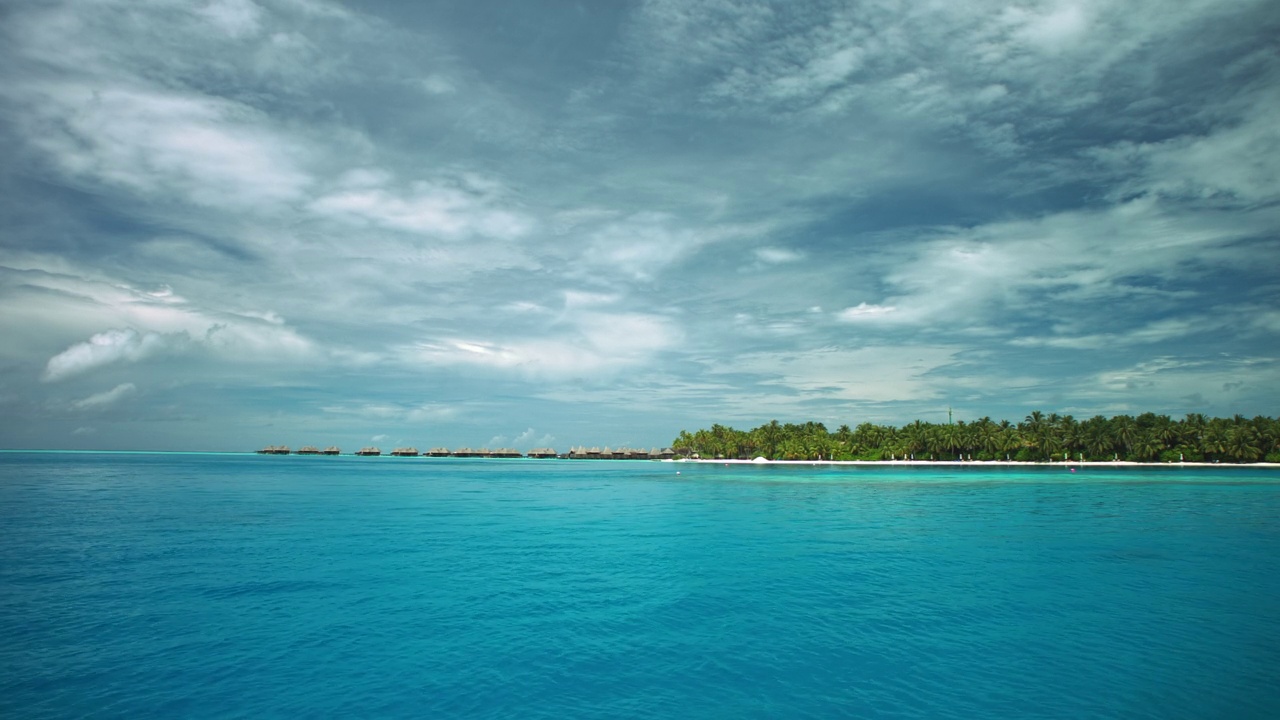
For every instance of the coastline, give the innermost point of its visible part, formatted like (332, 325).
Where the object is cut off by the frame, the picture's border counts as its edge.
(979, 463)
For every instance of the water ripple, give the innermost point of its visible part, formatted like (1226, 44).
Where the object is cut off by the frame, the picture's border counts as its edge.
(206, 586)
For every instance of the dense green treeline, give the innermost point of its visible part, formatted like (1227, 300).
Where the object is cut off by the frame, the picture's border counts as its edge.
(1038, 438)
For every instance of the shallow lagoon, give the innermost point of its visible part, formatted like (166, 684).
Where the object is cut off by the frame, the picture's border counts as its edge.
(241, 585)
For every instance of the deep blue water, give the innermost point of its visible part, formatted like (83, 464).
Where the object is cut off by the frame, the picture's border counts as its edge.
(244, 586)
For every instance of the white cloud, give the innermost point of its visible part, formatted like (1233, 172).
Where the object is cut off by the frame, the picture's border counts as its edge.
(438, 85)
(431, 412)
(112, 346)
(974, 276)
(863, 311)
(237, 18)
(103, 399)
(1235, 161)
(210, 151)
(433, 208)
(530, 438)
(777, 255)
(1051, 31)
(582, 343)
(1222, 383)
(1154, 332)
(867, 374)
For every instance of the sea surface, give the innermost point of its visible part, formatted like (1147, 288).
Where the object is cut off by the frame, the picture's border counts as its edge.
(215, 586)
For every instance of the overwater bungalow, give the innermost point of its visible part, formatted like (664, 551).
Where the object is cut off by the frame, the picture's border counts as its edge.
(274, 450)
(464, 452)
(542, 453)
(405, 452)
(332, 450)
(438, 452)
(308, 450)
(369, 451)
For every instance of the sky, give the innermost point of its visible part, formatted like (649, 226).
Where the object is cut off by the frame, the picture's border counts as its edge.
(236, 223)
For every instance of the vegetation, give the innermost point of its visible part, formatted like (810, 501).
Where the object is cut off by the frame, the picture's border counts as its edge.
(1038, 438)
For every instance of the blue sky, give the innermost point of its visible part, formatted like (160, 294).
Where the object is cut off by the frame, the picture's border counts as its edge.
(235, 223)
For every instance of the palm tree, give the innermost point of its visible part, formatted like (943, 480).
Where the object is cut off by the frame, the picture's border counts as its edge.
(1165, 431)
(1125, 431)
(1147, 447)
(1009, 440)
(1097, 438)
(1242, 444)
(1213, 442)
(768, 437)
(1069, 435)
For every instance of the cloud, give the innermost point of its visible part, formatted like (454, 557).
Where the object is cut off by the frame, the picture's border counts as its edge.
(438, 85)
(459, 208)
(1050, 31)
(207, 150)
(863, 311)
(777, 255)
(867, 374)
(237, 18)
(1155, 332)
(431, 412)
(1049, 267)
(687, 209)
(397, 412)
(1161, 382)
(1236, 161)
(112, 346)
(103, 399)
(530, 438)
(585, 342)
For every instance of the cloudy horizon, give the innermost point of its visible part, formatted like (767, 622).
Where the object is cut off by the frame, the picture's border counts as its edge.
(237, 223)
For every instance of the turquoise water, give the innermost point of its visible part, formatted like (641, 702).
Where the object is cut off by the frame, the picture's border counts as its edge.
(247, 586)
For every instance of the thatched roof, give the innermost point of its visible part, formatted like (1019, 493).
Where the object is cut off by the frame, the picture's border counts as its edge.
(405, 452)
(332, 450)
(369, 451)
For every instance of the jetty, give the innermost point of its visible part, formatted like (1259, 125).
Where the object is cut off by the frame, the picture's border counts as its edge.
(580, 452)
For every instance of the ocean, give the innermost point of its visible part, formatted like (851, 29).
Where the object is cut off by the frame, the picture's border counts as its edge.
(223, 586)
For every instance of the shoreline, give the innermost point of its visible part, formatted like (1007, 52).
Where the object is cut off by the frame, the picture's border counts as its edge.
(980, 463)
(707, 461)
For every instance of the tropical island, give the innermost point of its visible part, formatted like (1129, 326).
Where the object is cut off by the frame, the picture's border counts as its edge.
(1039, 438)
(1146, 438)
